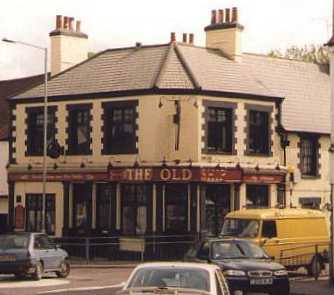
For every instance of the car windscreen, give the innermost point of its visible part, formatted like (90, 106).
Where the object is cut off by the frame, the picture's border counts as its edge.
(174, 277)
(243, 228)
(14, 242)
(235, 249)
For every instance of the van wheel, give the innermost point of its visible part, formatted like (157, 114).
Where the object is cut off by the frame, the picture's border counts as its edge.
(315, 267)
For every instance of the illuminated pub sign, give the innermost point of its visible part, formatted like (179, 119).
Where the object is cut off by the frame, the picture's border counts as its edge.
(175, 174)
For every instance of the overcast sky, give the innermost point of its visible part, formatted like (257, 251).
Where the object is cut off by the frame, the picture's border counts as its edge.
(269, 24)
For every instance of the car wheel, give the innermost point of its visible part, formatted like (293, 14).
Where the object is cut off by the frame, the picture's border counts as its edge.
(38, 274)
(64, 269)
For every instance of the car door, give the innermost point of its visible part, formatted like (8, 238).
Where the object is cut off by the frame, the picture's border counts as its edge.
(43, 250)
(269, 239)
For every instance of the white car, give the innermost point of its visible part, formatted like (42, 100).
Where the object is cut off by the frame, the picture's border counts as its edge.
(176, 278)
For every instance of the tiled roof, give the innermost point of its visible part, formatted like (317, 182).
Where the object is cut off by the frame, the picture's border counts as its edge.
(9, 88)
(304, 86)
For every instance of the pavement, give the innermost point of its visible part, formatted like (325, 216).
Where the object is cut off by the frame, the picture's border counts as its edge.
(309, 286)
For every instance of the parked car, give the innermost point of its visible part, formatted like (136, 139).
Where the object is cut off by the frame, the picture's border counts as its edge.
(295, 237)
(32, 254)
(246, 267)
(176, 278)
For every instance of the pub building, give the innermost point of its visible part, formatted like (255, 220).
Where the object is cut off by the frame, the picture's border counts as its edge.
(146, 140)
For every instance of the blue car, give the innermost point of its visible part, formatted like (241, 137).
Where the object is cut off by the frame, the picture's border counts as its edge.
(32, 254)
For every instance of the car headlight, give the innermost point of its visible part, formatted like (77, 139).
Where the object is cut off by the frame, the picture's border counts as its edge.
(235, 273)
(280, 273)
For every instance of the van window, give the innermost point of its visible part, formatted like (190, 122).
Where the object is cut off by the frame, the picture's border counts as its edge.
(269, 229)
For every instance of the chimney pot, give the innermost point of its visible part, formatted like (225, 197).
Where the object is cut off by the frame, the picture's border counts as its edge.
(59, 19)
(191, 39)
(221, 16)
(65, 23)
(70, 23)
(227, 15)
(78, 26)
(184, 38)
(172, 37)
(234, 15)
(213, 17)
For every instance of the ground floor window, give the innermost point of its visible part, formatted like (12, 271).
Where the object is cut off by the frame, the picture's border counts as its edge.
(310, 202)
(281, 198)
(217, 205)
(82, 206)
(134, 208)
(176, 208)
(257, 196)
(106, 206)
(34, 208)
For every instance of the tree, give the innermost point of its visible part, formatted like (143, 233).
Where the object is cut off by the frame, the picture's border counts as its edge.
(309, 53)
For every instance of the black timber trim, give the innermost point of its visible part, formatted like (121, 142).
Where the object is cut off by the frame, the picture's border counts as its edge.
(12, 138)
(66, 192)
(73, 107)
(40, 109)
(11, 196)
(219, 104)
(106, 106)
(150, 91)
(259, 108)
(316, 139)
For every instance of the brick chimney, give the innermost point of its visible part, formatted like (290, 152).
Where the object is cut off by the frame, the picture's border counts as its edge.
(69, 46)
(224, 32)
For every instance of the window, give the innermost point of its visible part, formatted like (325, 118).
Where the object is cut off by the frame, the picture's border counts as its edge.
(41, 243)
(82, 204)
(308, 156)
(219, 129)
(217, 205)
(106, 207)
(79, 136)
(257, 196)
(120, 128)
(176, 206)
(34, 205)
(258, 132)
(310, 203)
(269, 229)
(204, 251)
(35, 134)
(134, 216)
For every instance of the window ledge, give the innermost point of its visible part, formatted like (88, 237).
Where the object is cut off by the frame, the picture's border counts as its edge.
(232, 153)
(252, 154)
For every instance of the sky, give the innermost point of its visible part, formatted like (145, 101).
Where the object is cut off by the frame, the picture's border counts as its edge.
(269, 24)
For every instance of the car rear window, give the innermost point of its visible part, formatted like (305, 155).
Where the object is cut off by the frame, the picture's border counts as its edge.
(14, 242)
(174, 277)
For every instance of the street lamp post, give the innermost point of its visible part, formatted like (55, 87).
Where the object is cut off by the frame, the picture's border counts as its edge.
(45, 123)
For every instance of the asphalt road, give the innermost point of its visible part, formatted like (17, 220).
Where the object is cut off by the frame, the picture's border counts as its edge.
(97, 281)
(81, 281)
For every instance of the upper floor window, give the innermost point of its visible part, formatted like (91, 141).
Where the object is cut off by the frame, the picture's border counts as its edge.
(35, 129)
(258, 132)
(219, 129)
(309, 155)
(79, 132)
(120, 127)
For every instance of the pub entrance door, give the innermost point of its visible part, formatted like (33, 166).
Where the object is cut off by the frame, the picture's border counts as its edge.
(217, 205)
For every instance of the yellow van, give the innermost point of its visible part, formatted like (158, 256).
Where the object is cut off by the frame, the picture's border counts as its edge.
(294, 237)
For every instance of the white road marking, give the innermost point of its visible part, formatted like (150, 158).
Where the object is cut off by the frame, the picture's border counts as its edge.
(12, 283)
(80, 289)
